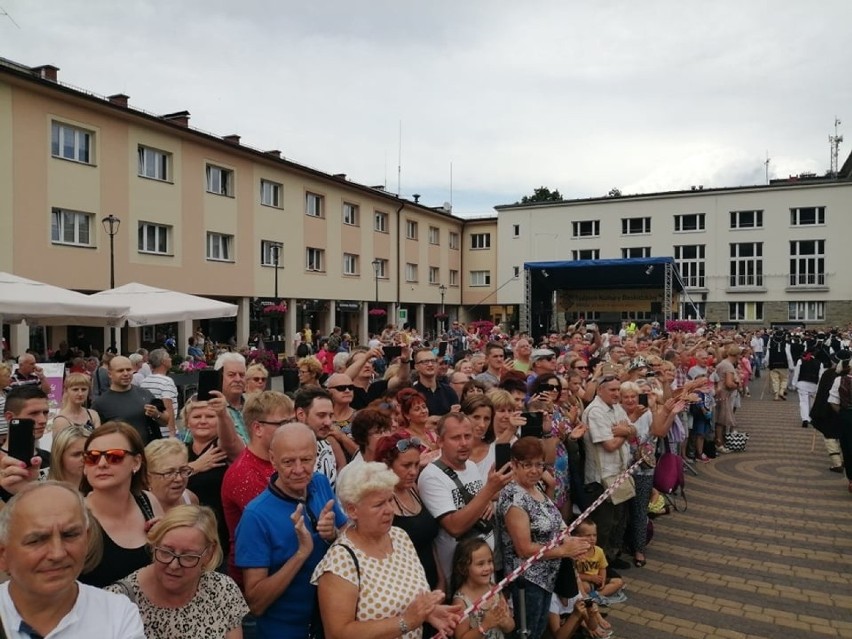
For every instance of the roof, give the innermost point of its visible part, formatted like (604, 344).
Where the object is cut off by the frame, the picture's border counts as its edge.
(637, 272)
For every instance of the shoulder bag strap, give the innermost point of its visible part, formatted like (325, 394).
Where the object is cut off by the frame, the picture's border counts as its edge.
(449, 472)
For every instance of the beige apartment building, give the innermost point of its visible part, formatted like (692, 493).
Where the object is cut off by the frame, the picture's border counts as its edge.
(207, 215)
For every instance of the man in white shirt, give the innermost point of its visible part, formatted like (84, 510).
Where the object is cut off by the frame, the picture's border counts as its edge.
(457, 513)
(44, 533)
(163, 387)
(608, 454)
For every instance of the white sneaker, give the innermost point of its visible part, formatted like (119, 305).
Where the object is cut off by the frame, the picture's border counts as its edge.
(723, 449)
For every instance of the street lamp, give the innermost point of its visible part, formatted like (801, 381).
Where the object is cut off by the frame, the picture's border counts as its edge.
(443, 290)
(377, 265)
(111, 224)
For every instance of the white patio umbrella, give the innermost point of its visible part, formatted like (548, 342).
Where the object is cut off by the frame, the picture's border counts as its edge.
(150, 305)
(44, 304)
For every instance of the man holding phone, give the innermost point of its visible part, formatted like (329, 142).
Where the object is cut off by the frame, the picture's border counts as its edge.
(26, 412)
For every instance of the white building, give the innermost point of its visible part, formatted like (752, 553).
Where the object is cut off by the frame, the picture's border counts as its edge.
(760, 254)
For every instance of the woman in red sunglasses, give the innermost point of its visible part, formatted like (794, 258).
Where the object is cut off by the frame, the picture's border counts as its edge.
(115, 482)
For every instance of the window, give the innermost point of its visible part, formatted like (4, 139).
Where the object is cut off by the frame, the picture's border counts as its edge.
(434, 275)
(411, 272)
(454, 278)
(636, 316)
(71, 227)
(220, 181)
(635, 225)
(746, 219)
(480, 278)
(380, 269)
(380, 222)
(692, 310)
(350, 264)
(220, 247)
(590, 228)
(434, 235)
(351, 214)
(516, 271)
(154, 238)
(807, 263)
(314, 204)
(154, 164)
(480, 241)
(690, 264)
(70, 143)
(411, 229)
(746, 264)
(745, 311)
(269, 251)
(314, 259)
(586, 254)
(689, 222)
(636, 251)
(807, 216)
(270, 193)
(516, 230)
(454, 241)
(806, 311)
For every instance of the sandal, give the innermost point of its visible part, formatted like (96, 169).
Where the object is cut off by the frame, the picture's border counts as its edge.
(639, 563)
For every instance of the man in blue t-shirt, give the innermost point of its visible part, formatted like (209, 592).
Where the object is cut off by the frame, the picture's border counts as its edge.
(283, 534)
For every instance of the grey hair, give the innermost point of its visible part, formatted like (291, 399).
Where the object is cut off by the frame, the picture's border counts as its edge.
(135, 358)
(157, 357)
(356, 482)
(339, 362)
(9, 511)
(224, 358)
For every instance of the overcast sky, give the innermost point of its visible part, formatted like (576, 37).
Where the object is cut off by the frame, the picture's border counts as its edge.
(580, 97)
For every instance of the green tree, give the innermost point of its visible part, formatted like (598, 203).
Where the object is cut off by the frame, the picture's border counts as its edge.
(542, 194)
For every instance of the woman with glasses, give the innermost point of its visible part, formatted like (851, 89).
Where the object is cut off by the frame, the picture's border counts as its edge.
(529, 521)
(66, 455)
(400, 452)
(256, 378)
(115, 482)
(179, 594)
(342, 392)
(168, 473)
(310, 371)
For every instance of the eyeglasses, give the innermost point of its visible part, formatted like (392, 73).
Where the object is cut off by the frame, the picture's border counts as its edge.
(405, 444)
(528, 465)
(266, 422)
(114, 456)
(184, 472)
(342, 387)
(547, 358)
(582, 368)
(166, 556)
(428, 361)
(258, 379)
(552, 388)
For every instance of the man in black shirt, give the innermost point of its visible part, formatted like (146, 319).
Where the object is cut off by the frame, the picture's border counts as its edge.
(129, 403)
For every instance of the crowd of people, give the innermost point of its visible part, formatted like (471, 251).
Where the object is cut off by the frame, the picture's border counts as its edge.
(389, 492)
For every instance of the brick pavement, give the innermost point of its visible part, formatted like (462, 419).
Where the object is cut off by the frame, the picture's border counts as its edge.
(764, 549)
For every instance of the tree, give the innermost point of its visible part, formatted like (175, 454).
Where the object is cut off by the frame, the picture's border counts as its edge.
(542, 194)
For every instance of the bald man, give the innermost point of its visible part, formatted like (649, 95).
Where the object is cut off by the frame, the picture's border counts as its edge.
(44, 536)
(29, 372)
(129, 403)
(276, 565)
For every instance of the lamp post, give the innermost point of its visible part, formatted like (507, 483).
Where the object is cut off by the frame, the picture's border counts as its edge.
(443, 290)
(377, 264)
(111, 224)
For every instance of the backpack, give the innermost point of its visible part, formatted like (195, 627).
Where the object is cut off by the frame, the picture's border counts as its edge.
(668, 478)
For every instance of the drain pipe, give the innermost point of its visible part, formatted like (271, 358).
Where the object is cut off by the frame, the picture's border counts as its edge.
(399, 262)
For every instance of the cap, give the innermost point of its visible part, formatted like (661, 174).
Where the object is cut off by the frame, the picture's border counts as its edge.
(541, 353)
(637, 362)
(696, 372)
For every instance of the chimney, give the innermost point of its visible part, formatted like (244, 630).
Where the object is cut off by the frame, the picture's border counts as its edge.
(180, 118)
(339, 176)
(274, 153)
(119, 99)
(232, 139)
(47, 72)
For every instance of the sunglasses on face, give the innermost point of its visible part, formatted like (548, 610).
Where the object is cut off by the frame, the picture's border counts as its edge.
(405, 444)
(258, 379)
(113, 456)
(343, 387)
(166, 556)
(585, 368)
(552, 388)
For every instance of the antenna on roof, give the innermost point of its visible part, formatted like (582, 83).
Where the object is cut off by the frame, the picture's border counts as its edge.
(399, 163)
(3, 12)
(451, 184)
(766, 166)
(834, 141)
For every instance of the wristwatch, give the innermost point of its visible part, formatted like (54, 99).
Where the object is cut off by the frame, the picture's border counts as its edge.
(405, 361)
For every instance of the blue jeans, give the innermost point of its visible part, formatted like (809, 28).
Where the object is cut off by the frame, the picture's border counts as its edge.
(537, 601)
